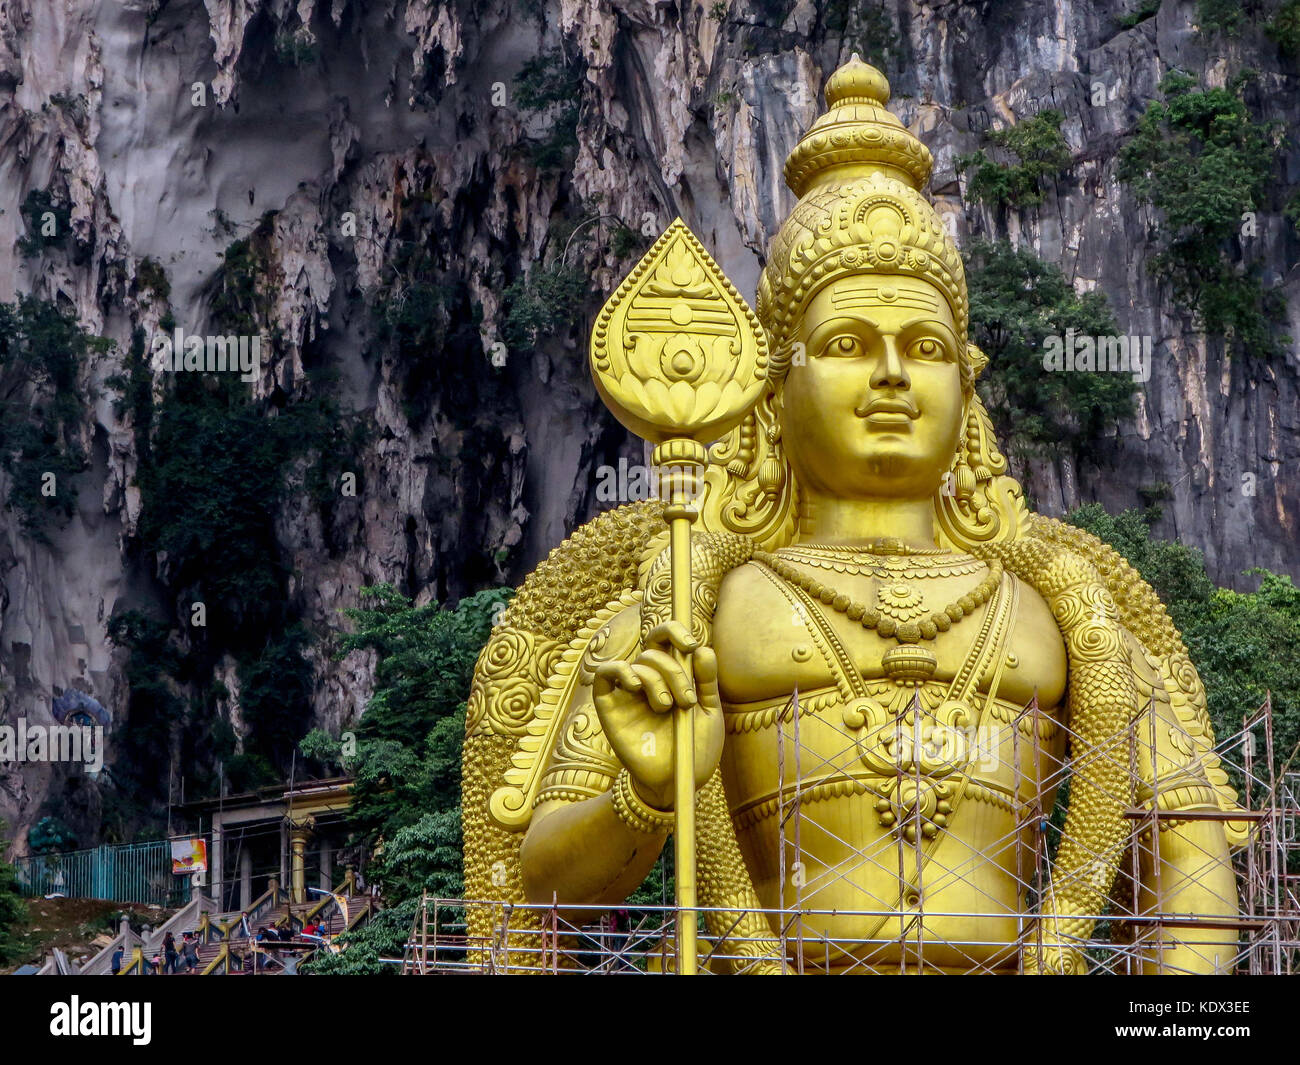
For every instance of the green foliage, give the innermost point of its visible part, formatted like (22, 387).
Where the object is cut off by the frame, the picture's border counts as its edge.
(1200, 159)
(13, 911)
(626, 241)
(42, 206)
(407, 766)
(1242, 643)
(49, 835)
(406, 797)
(543, 304)
(214, 469)
(151, 277)
(383, 936)
(1292, 210)
(42, 349)
(134, 390)
(1284, 28)
(1040, 151)
(155, 669)
(320, 747)
(718, 11)
(550, 84)
(296, 48)
(210, 501)
(1146, 10)
(1227, 17)
(243, 291)
(1017, 301)
(1174, 570)
(275, 689)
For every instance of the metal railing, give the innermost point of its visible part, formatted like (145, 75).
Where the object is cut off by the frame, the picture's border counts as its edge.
(129, 872)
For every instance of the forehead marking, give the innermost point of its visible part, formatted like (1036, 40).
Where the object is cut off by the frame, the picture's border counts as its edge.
(864, 295)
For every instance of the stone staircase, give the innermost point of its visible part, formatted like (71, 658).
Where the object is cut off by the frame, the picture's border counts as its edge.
(225, 946)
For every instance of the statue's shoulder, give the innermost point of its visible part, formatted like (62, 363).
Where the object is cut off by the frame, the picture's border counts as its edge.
(742, 585)
(748, 599)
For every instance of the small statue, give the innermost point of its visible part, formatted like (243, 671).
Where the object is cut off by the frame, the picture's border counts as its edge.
(864, 576)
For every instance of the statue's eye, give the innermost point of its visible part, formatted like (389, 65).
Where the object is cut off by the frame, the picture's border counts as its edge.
(926, 348)
(845, 347)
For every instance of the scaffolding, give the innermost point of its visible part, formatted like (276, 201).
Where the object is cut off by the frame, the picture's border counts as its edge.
(1249, 924)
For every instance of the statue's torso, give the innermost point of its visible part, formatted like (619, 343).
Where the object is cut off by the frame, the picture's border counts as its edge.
(858, 797)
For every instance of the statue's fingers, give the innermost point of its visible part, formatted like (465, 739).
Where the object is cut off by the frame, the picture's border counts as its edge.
(656, 690)
(674, 672)
(706, 678)
(672, 634)
(611, 675)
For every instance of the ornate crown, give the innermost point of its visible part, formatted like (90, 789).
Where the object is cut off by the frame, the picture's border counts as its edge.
(858, 173)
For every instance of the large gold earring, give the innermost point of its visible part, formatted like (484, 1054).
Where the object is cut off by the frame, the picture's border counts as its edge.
(771, 473)
(963, 476)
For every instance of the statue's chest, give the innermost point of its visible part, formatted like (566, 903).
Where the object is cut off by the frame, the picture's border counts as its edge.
(772, 640)
(912, 724)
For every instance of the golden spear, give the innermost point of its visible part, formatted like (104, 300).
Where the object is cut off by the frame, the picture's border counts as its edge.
(679, 358)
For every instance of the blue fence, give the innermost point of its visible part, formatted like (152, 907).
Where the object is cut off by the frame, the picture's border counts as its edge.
(131, 872)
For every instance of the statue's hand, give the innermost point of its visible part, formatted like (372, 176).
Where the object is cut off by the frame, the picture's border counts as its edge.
(634, 701)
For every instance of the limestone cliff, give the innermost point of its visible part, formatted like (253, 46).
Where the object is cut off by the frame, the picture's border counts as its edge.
(381, 154)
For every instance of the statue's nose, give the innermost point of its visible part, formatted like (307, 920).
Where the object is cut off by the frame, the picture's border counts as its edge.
(889, 371)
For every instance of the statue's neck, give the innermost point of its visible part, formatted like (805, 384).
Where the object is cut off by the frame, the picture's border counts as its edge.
(830, 519)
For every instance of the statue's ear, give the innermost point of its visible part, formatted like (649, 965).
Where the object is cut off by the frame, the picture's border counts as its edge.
(978, 360)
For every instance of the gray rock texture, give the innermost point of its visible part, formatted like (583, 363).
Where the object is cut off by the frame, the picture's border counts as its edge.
(172, 127)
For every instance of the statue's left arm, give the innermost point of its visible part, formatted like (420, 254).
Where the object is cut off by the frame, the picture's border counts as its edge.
(1141, 756)
(1185, 870)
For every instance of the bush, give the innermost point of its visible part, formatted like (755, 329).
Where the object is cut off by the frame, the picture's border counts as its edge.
(13, 911)
(242, 293)
(408, 759)
(1220, 16)
(1017, 301)
(1147, 10)
(151, 277)
(1284, 28)
(43, 210)
(543, 304)
(42, 349)
(550, 84)
(1201, 160)
(296, 48)
(1041, 153)
(866, 27)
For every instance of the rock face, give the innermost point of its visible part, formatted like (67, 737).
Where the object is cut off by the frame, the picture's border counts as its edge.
(369, 142)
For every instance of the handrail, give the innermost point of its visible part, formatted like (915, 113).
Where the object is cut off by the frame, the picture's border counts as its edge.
(222, 955)
(270, 897)
(363, 911)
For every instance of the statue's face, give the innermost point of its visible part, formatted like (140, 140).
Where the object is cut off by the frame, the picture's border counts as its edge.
(874, 408)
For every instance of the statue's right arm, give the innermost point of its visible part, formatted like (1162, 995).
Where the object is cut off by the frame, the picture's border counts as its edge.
(588, 844)
(581, 853)
(577, 849)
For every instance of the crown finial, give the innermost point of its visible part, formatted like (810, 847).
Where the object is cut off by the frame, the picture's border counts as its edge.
(857, 136)
(857, 82)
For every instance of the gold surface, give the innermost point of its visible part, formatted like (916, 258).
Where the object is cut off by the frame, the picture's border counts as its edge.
(862, 575)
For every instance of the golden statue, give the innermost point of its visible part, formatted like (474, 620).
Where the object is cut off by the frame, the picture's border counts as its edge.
(843, 633)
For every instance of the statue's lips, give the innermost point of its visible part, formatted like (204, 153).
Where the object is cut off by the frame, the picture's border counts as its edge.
(888, 412)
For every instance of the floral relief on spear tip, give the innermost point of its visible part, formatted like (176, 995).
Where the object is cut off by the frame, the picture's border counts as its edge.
(676, 351)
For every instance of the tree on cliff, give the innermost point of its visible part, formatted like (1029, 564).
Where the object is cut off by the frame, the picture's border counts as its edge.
(406, 800)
